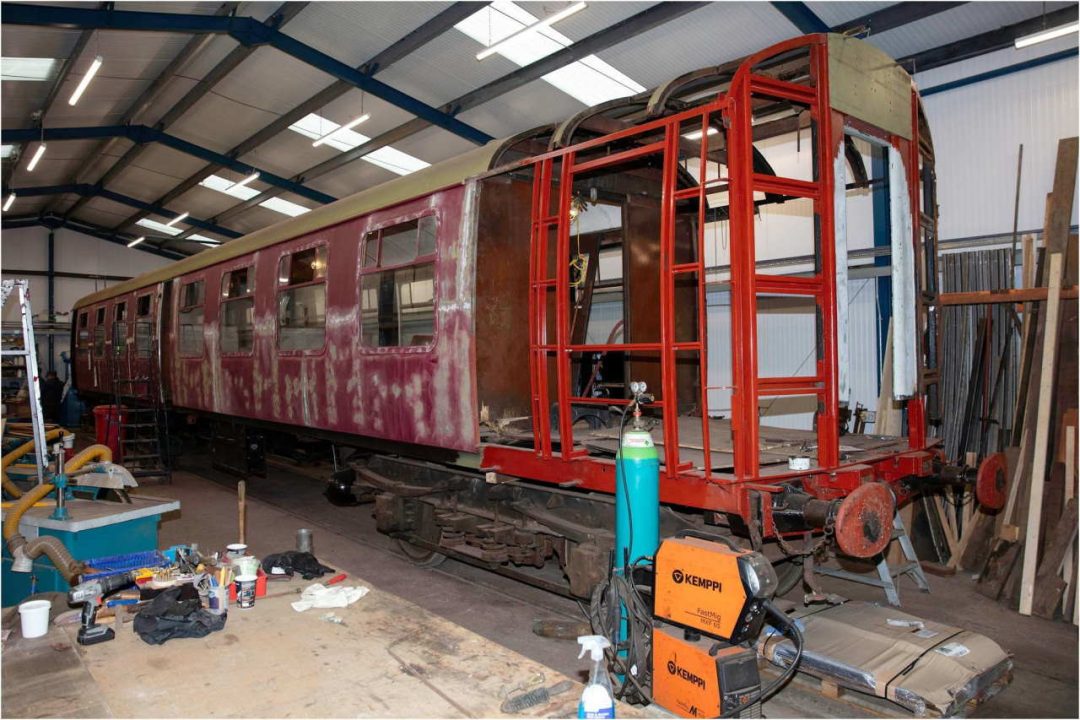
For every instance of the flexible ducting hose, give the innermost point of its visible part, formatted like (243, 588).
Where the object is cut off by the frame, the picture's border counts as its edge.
(11, 488)
(24, 552)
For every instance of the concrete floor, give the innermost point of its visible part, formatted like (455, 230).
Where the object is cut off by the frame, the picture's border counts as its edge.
(503, 610)
(1045, 653)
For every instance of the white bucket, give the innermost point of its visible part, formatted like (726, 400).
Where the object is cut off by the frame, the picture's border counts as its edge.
(35, 618)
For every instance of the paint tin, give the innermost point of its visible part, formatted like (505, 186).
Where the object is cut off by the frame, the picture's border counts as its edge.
(219, 600)
(235, 550)
(304, 541)
(245, 591)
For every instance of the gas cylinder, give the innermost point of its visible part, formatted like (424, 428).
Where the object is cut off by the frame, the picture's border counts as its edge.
(637, 491)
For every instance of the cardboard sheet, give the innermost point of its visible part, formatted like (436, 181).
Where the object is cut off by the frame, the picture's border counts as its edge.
(927, 667)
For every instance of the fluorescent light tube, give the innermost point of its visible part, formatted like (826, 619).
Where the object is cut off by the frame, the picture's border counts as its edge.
(37, 157)
(546, 22)
(696, 135)
(250, 178)
(81, 87)
(176, 219)
(1045, 35)
(347, 126)
(9, 202)
(136, 241)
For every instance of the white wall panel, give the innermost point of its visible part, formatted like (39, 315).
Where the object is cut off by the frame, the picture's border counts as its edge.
(27, 249)
(977, 130)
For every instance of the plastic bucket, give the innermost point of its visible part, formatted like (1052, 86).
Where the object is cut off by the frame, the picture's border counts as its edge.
(35, 618)
(245, 591)
(246, 565)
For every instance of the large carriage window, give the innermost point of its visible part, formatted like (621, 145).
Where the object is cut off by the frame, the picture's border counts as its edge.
(301, 299)
(83, 341)
(237, 310)
(143, 326)
(120, 329)
(191, 318)
(99, 334)
(397, 287)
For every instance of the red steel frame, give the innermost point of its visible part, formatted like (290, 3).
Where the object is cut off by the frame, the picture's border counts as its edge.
(681, 483)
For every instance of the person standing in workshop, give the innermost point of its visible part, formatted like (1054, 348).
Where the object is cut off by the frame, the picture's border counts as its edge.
(52, 393)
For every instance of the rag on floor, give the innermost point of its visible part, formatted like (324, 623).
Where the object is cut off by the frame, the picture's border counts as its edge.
(318, 595)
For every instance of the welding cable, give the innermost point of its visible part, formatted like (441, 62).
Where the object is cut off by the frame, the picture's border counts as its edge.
(617, 592)
(789, 627)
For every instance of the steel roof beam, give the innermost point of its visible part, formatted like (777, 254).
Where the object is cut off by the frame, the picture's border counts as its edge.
(416, 39)
(286, 12)
(91, 191)
(245, 30)
(143, 134)
(801, 17)
(53, 221)
(193, 47)
(892, 17)
(627, 29)
(987, 42)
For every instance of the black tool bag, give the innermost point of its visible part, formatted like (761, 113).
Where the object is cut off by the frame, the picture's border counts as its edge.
(296, 562)
(176, 613)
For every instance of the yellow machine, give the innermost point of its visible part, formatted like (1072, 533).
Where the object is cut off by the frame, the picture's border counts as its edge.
(711, 599)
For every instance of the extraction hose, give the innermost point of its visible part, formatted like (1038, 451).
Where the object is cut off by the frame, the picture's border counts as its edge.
(25, 552)
(10, 487)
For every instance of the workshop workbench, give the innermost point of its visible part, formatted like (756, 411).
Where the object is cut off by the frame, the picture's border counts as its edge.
(95, 528)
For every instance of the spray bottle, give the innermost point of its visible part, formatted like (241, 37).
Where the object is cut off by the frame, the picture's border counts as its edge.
(597, 699)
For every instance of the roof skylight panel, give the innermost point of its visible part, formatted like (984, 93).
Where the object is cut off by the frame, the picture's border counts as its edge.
(589, 80)
(170, 230)
(316, 126)
(27, 69)
(245, 192)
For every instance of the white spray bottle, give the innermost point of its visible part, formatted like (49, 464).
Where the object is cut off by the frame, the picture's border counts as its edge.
(597, 699)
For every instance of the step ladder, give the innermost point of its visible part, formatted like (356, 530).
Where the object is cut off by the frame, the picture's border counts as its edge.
(143, 422)
(887, 574)
(29, 354)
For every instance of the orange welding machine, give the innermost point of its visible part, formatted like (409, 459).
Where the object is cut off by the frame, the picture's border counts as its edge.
(711, 598)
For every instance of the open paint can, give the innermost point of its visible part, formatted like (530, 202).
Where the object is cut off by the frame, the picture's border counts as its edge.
(245, 590)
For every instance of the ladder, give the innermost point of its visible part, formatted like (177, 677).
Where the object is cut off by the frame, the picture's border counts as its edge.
(143, 430)
(29, 355)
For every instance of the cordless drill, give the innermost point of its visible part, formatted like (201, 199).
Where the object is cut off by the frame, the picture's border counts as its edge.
(91, 593)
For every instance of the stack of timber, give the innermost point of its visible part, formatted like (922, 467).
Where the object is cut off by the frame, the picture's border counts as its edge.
(1025, 555)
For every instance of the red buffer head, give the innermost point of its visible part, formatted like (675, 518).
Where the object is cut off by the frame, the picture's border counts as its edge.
(864, 520)
(991, 482)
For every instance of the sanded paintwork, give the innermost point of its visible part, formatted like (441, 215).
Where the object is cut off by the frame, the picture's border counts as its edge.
(422, 395)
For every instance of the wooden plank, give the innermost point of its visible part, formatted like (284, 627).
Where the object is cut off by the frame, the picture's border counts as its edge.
(1049, 586)
(1028, 272)
(986, 297)
(975, 544)
(1069, 563)
(999, 568)
(1042, 431)
(1056, 231)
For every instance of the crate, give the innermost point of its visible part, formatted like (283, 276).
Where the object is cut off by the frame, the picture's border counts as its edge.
(115, 564)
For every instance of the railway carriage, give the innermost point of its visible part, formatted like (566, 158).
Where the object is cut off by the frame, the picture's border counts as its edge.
(472, 329)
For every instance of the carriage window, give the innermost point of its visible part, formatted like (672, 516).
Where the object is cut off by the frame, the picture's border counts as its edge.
(120, 329)
(84, 333)
(301, 300)
(397, 304)
(191, 318)
(237, 310)
(100, 316)
(143, 327)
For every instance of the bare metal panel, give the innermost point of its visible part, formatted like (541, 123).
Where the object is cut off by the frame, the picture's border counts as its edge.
(867, 84)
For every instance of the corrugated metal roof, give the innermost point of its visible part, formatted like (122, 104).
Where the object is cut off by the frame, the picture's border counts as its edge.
(269, 83)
